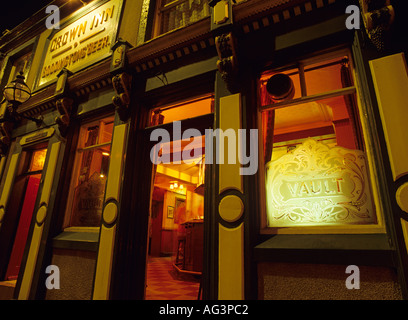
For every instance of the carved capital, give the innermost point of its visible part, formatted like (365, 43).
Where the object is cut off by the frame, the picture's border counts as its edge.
(122, 84)
(227, 63)
(64, 107)
(118, 60)
(378, 16)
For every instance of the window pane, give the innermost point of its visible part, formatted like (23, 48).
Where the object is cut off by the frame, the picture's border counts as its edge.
(20, 65)
(266, 98)
(324, 76)
(90, 173)
(316, 119)
(186, 110)
(96, 133)
(318, 183)
(315, 166)
(37, 160)
(182, 14)
(321, 77)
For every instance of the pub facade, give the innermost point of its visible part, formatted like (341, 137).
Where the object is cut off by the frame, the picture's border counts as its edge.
(196, 149)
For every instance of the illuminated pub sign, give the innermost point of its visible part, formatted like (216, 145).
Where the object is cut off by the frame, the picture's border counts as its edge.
(83, 42)
(315, 184)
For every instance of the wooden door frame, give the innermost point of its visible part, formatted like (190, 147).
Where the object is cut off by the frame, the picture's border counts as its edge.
(129, 270)
(201, 123)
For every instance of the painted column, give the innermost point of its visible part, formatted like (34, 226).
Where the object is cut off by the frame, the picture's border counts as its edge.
(230, 206)
(390, 77)
(11, 173)
(230, 193)
(109, 215)
(40, 217)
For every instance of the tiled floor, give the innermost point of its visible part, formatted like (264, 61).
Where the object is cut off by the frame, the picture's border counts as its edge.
(164, 283)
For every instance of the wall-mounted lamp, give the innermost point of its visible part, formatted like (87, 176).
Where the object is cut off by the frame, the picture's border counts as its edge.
(16, 93)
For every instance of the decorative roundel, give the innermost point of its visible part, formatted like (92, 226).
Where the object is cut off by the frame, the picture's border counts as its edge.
(41, 214)
(231, 208)
(402, 197)
(110, 213)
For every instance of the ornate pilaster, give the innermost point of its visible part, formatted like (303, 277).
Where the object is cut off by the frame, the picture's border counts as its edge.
(122, 84)
(228, 232)
(121, 79)
(227, 63)
(64, 103)
(64, 107)
(225, 42)
(378, 17)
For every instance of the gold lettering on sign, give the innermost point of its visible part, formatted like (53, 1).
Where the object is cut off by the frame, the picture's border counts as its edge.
(318, 185)
(315, 188)
(82, 42)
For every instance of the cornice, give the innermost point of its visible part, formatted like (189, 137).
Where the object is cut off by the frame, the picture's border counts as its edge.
(257, 14)
(177, 44)
(248, 9)
(88, 80)
(171, 46)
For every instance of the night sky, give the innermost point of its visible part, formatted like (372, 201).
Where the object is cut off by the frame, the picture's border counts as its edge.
(16, 11)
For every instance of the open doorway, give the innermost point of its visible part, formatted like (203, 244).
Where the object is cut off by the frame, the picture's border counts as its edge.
(176, 225)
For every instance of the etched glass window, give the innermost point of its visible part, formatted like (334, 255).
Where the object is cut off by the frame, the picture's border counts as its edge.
(316, 169)
(87, 188)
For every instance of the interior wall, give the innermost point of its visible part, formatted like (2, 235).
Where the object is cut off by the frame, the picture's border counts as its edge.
(194, 209)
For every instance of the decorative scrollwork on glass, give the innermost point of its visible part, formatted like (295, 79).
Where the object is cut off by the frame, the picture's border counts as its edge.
(318, 185)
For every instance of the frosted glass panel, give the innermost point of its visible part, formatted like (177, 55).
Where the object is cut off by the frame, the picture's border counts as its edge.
(315, 184)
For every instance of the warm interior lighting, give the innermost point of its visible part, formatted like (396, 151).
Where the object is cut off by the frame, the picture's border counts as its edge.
(315, 169)
(38, 159)
(174, 186)
(318, 185)
(187, 109)
(176, 208)
(90, 174)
